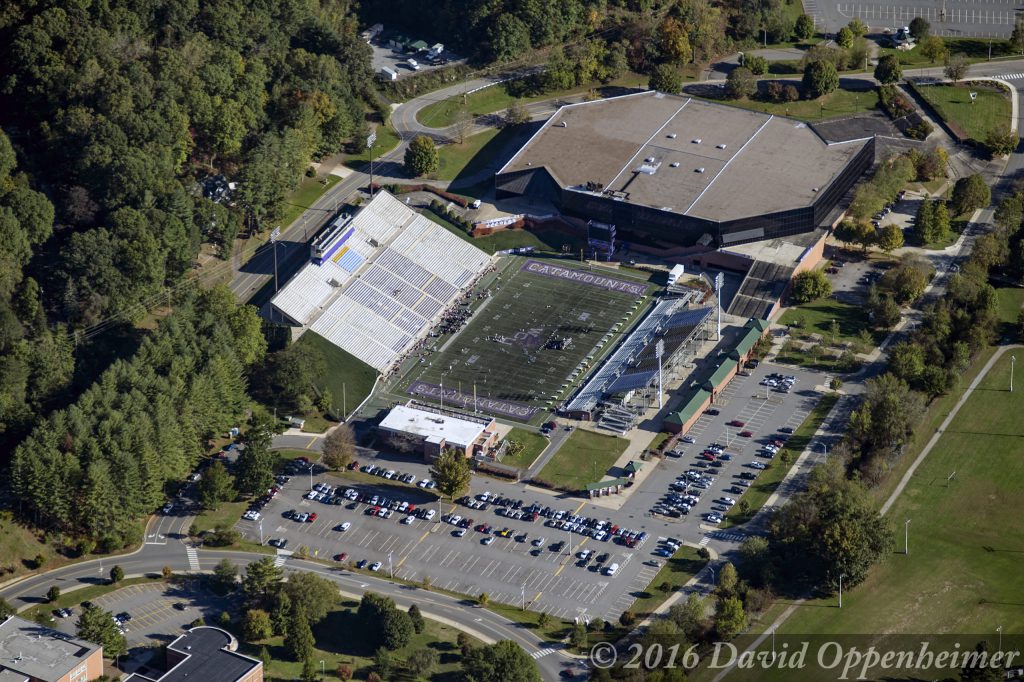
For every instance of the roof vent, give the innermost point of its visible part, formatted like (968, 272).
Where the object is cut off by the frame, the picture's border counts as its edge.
(720, 146)
(674, 164)
(671, 136)
(696, 140)
(814, 189)
(649, 159)
(701, 169)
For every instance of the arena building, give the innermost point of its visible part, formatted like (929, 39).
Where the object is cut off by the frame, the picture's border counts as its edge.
(680, 171)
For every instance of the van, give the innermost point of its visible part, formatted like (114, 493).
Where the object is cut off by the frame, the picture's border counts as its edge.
(611, 570)
(475, 204)
(414, 65)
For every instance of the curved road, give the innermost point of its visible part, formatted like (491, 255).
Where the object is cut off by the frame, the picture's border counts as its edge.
(151, 559)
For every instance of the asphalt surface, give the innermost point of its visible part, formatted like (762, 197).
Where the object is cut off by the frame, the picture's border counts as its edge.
(954, 18)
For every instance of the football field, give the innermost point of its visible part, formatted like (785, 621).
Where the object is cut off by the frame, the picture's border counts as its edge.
(543, 327)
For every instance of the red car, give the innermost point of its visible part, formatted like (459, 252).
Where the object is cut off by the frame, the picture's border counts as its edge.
(737, 422)
(312, 518)
(746, 434)
(708, 456)
(340, 557)
(353, 466)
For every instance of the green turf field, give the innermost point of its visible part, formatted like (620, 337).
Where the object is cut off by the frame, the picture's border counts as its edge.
(585, 458)
(507, 351)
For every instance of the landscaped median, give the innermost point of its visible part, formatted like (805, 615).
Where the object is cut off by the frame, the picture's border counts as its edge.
(989, 112)
(585, 457)
(676, 572)
(768, 482)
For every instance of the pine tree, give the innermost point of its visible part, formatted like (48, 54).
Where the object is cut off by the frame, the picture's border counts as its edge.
(299, 641)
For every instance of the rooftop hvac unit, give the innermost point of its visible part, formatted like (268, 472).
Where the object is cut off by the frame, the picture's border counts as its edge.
(671, 136)
(696, 140)
(649, 159)
(720, 146)
(701, 169)
(674, 164)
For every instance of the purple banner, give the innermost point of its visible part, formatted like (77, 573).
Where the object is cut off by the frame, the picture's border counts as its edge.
(584, 277)
(505, 408)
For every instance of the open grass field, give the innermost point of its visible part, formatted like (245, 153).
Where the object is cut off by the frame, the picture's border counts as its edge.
(497, 98)
(584, 458)
(976, 50)
(471, 156)
(677, 570)
(522, 347)
(533, 445)
(963, 570)
(387, 139)
(342, 640)
(838, 103)
(990, 111)
(816, 317)
(308, 191)
(348, 378)
(766, 484)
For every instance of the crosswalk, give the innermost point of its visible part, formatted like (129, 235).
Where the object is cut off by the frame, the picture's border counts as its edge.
(728, 537)
(193, 558)
(280, 559)
(704, 541)
(1010, 76)
(542, 653)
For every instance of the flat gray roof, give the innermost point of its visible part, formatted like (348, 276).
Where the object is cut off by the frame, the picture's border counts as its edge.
(686, 155)
(208, 655)
(40, 652)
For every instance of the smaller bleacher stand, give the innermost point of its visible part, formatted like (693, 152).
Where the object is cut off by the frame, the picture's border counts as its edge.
(377, 282)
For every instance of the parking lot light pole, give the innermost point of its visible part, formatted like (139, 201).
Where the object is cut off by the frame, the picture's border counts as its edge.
(906, 537)
(391, 568)
(311, 476)
(1013, 360)
(840, 590)
(261, 532)
(824, 446)
(323, 668)
(1000, 631)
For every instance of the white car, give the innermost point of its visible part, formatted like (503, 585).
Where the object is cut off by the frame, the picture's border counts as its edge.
(430, 514)
(728, 501)
(459, 533)
(408, 520)
(424, 483)
(410, 479)
(689, 439)
(758, 465)
(376, 566)
(488, 540)
(537, 542)
(713, 518)
(251, 515)
(345, 526)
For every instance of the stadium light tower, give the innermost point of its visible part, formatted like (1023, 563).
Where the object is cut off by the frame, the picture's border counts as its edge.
(659, 350)
(719, 279)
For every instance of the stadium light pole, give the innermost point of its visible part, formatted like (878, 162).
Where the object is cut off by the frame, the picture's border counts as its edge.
(840, 590)
(1013, 360)
(906, 537)
(659, 351)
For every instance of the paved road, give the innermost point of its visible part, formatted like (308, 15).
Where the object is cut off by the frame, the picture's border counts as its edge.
(152, 558)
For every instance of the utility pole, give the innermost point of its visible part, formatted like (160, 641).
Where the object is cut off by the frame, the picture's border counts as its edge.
(261, 531)
(840, 590)
(906, 537)
(1013, 359)
(274, 236)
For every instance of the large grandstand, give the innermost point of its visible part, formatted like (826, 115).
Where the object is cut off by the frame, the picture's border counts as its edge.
(377, 282)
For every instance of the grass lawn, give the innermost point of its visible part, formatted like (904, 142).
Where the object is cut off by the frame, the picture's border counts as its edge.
(765, 484)
(348, 378)
(962, 574)
(816, 318)
(957, 227)
(308, 191)
(387, 139)
(470, 156)
(838, 103)
(497, 98)
(584, 458)
(682, 566)
(317, 423)
(533, 443)
(990, 111)
(976, 49)
(227, 513)
(541, 240)
(342, 640)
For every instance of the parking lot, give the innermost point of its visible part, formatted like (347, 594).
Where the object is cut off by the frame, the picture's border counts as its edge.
(537, 563)
(399, 61)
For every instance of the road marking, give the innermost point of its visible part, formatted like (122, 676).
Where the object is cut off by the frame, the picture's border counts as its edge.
(193, 558)
(704, 541)
(542, 653)
(311, 441)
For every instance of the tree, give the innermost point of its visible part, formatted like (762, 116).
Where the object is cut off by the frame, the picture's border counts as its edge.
(99, 627)
(666, 78)
(116, 574)
(421, 156)
(890, 238)
(740, 83)
(483, 599)
(504, 661)
(979, 668)
(225, 574)
(53, 594)
(970, 194)
(309, 671)
(262, 580)
(727, 580)
(298, 640)
(804, 27)
(418, 623)
(578, 636)
(674, 42)
(6, 610)
(254, 470)
(859, 28)
(906, 360)
(509, 38)
(691, 615)
(339, 447)
(956, 67)
(421, 661)
(1001, 141)
(933, 48)
(1017, 36)
(451, 472)
(216, 486)
(888, 70)
(907, 282)
(515, 115)
(463, 125)
(844, 38)
(820, 78)
(314, 595)
(919, 28)
(757, 64)
(730, 619)
(811, 285)
(256, 625)
(396, 629)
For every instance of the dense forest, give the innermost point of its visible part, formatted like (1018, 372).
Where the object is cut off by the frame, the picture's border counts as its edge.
(111, 112)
